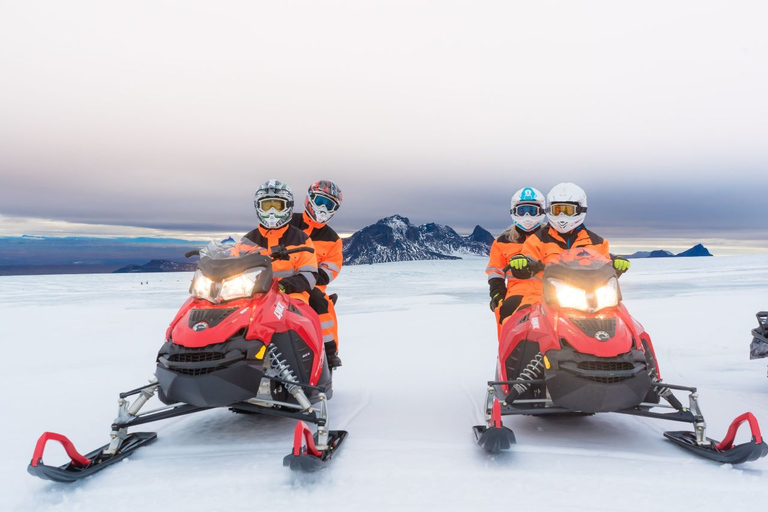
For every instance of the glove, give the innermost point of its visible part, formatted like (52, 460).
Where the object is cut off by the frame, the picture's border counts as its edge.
(518, 262)
(281, 287)
(620, 264)
(496, 301)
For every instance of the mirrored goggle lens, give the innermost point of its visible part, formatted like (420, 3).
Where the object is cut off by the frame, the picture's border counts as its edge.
(563, 209)
(329, 203)
(277, 204)
(527, 209)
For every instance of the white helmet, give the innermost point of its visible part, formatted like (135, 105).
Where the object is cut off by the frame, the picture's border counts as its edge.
(566, 207)
(527, 208)
(274, 204)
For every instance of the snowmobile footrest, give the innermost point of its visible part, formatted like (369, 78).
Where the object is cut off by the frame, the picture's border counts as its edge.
(305, 455)
(82, 466)
(494, 439)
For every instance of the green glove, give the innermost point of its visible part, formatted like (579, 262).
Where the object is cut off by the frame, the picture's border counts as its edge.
(496, 301)
(518, 262)
(281, 287)
(620, 264)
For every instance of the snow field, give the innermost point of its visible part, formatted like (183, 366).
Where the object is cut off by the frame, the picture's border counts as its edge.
(418, 344)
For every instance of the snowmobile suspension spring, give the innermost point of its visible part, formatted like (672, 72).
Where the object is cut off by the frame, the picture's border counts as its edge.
(284, 371)
(531, 371)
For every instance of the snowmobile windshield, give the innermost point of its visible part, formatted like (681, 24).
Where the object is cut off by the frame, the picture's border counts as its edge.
(581, 279)
(230, 270)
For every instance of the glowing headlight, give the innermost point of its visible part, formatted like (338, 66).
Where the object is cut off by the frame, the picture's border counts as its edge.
(201, 286)
(608, 295)
(569, 296)
(238, 286)
(234, 287)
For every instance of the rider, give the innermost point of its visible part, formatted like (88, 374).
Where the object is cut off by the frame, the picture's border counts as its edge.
(528, 212)
(566, 209)
(274, 204)
(322, 202)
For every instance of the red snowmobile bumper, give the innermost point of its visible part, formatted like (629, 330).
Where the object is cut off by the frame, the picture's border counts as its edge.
(724, 451)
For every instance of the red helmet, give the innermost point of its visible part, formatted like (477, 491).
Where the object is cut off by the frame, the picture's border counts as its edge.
(323, 200)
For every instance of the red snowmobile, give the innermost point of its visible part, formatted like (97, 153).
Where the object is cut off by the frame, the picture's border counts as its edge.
(238, 342)
(579, 352)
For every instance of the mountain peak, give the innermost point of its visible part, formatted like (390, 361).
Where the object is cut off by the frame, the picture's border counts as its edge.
(394, 238)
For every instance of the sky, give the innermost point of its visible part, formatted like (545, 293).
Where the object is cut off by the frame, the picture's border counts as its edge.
(163, 117)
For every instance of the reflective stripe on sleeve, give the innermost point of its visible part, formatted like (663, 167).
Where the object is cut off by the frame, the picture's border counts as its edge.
(310, 277)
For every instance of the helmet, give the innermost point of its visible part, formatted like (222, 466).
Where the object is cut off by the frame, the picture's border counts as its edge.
(323, 200)
(527, 208)
(566, 207)
(274, 204)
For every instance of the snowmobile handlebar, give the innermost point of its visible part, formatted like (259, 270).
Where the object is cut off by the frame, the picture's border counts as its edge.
(281, 253)
(278, 253)
(533, 268)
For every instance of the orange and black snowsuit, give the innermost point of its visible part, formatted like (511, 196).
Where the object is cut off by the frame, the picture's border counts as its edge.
(502, 285)
(546, 244)
(298, 274)
(329, 259)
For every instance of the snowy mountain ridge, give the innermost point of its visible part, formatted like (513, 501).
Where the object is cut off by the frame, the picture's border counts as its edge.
(394, 238)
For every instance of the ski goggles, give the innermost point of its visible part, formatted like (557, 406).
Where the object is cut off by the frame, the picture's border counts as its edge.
(567, 209)
(527, 209)
(273, 202)
(329, 203)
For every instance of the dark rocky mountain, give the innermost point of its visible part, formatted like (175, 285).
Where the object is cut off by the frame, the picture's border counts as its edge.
(158, 266)
(696, 250)
(396, 239)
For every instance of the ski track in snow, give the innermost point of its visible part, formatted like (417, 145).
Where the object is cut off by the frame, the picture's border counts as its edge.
(418, 345)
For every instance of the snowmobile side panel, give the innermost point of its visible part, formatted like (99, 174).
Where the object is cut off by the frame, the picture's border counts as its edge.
(74, 470)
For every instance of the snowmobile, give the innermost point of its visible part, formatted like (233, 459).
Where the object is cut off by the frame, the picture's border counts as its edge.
(759, 346)
(237, 342)
(579, 352)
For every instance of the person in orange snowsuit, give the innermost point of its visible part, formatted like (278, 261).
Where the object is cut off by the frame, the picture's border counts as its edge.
(566, 210)
(527, 211)
(322, 202)
(297, 275)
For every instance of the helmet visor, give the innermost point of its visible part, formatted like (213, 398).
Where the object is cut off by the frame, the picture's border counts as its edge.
(527, 209)
(329, 203)
(567, 209)
(273, 202)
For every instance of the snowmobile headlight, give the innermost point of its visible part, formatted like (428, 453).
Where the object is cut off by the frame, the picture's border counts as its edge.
(569, 296)
(240, 285)
(201, 286)
(607, 295)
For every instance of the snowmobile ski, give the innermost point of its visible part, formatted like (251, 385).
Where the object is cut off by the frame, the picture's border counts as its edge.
(81, 466)
(724, 451)
(307, 456)
(494, 437)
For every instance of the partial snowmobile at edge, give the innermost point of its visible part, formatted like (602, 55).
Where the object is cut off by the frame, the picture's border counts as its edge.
(758, 349)
(579, 352)
(237, 342)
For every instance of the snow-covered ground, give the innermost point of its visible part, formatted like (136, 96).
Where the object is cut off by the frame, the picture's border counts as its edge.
(418, 344)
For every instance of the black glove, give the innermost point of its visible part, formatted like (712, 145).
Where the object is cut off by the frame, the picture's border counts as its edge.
(498, 289)
(280, 253)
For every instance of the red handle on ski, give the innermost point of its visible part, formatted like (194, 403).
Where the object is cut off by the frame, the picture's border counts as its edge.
(77, 459)
(727, 442)
(302, 434)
